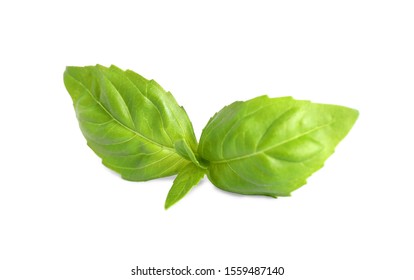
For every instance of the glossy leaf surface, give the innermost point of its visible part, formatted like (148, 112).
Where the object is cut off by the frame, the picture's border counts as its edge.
(130, 122)
(270, 146)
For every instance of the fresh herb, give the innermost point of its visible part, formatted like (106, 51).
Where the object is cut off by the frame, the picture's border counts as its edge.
(263, 146)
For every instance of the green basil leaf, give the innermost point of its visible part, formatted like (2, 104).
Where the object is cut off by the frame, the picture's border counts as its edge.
(186, 179)
(185, 151)
(129, 121)
(270, 146)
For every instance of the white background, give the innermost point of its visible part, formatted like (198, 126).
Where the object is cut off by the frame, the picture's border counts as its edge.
(63, 215)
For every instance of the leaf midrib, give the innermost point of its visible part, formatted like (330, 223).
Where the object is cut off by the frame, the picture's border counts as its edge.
(271, 147)
(117, 121)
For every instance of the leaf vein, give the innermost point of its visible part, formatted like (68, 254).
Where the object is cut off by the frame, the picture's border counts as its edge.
(273, 146)
(117, 121)
(141, 167)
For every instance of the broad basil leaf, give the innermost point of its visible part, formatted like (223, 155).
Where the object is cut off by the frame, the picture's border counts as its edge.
(129, 121)
(186, 179)
(270, 146)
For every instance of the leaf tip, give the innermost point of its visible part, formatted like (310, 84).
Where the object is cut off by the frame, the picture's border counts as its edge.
(169, 201)
(67, 71)
(356, 113)
(167, 205)
(353, 115)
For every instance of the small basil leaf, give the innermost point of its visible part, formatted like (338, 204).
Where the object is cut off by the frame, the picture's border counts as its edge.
(129, 121)
(186, 179)
(270, 146)
(185, 151)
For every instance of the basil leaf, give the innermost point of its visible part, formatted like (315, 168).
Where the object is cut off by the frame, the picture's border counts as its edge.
(270, 146)
(185, 151)
(188, 177)
(265, 146)
(129, 121)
